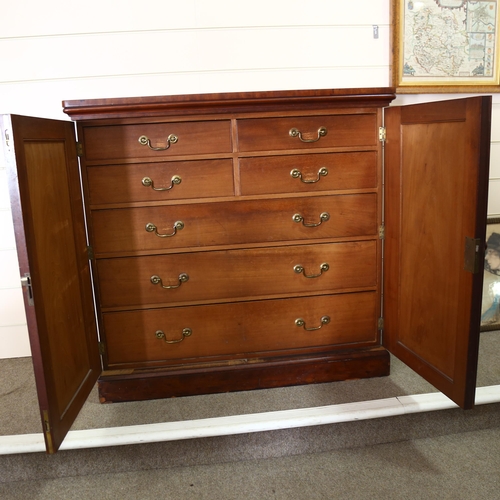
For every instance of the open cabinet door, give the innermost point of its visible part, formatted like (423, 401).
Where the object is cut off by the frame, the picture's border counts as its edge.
(47, 208)
(436, 182)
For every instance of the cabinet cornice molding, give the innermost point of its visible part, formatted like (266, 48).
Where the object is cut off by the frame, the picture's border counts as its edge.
(235, 102)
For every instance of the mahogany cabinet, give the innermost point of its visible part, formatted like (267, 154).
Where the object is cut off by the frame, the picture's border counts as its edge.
(224, 242)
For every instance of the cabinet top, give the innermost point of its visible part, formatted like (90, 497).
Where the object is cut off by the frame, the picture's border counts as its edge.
(196, 104)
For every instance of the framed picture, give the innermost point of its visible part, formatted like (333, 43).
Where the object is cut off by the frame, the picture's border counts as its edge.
(490, 313)
(445, 46)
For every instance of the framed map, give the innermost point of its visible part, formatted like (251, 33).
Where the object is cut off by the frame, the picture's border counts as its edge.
(445, 46)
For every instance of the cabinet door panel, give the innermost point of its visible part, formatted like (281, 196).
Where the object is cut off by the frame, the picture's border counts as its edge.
(437, 158)
(50, 236)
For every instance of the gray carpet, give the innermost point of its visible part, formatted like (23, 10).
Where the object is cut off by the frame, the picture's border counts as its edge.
(443, 454)
(19, 407)
(453, 467)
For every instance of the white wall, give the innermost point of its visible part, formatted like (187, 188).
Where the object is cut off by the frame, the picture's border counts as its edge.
(53, 50)
(50, 51)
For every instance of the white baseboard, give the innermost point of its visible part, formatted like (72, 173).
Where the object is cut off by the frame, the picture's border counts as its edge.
(242, 424)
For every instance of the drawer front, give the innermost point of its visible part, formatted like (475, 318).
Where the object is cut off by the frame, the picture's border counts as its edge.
(266, 134)
(122, 141)
(239, 329)
(243, 274)
(308, 173)
(160, 181)
(226, 223)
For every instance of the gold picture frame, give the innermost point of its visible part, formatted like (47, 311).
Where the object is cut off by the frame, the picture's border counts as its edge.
(432, 43)
(490, 313)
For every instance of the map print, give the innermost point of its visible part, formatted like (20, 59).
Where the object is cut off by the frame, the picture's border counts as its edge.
(449, 40)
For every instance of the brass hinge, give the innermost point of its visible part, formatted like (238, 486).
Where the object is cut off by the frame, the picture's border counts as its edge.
(381, 232)
(26, 283)
(46, 423)
(382, 134)
(90, 252)
(79, 149)
(471, 254)
(47, 432)
(102, 348)
(381, 323)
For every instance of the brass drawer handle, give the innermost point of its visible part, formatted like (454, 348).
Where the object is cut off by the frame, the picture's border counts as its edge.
(156, 280)
(186, 332)
(301, 323)
(322, 218)
(148, 182)
(322, 131)
(178, 225)
(322, 269)
(171, 139)
(297, 174)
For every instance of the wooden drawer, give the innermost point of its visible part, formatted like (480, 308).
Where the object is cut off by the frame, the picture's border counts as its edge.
(170, 180)
(122, 141)
(308, 173)
(266, 134)
(242, 274)
(122, 231)
(240, 329)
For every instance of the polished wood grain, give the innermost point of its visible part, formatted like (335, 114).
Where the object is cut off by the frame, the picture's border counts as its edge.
(245, 375)
(255, 329)
(50, 235)
(123, 183)
(436, 185)
(244, 245)
(230, 223)
(237, 274)
(241, 247)
(271, 174)
(231, 102)
(274, 133)
(115, 142)
(241, 243)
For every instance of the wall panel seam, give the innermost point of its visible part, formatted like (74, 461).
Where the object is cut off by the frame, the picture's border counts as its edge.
(187, 30)
(208, 72)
